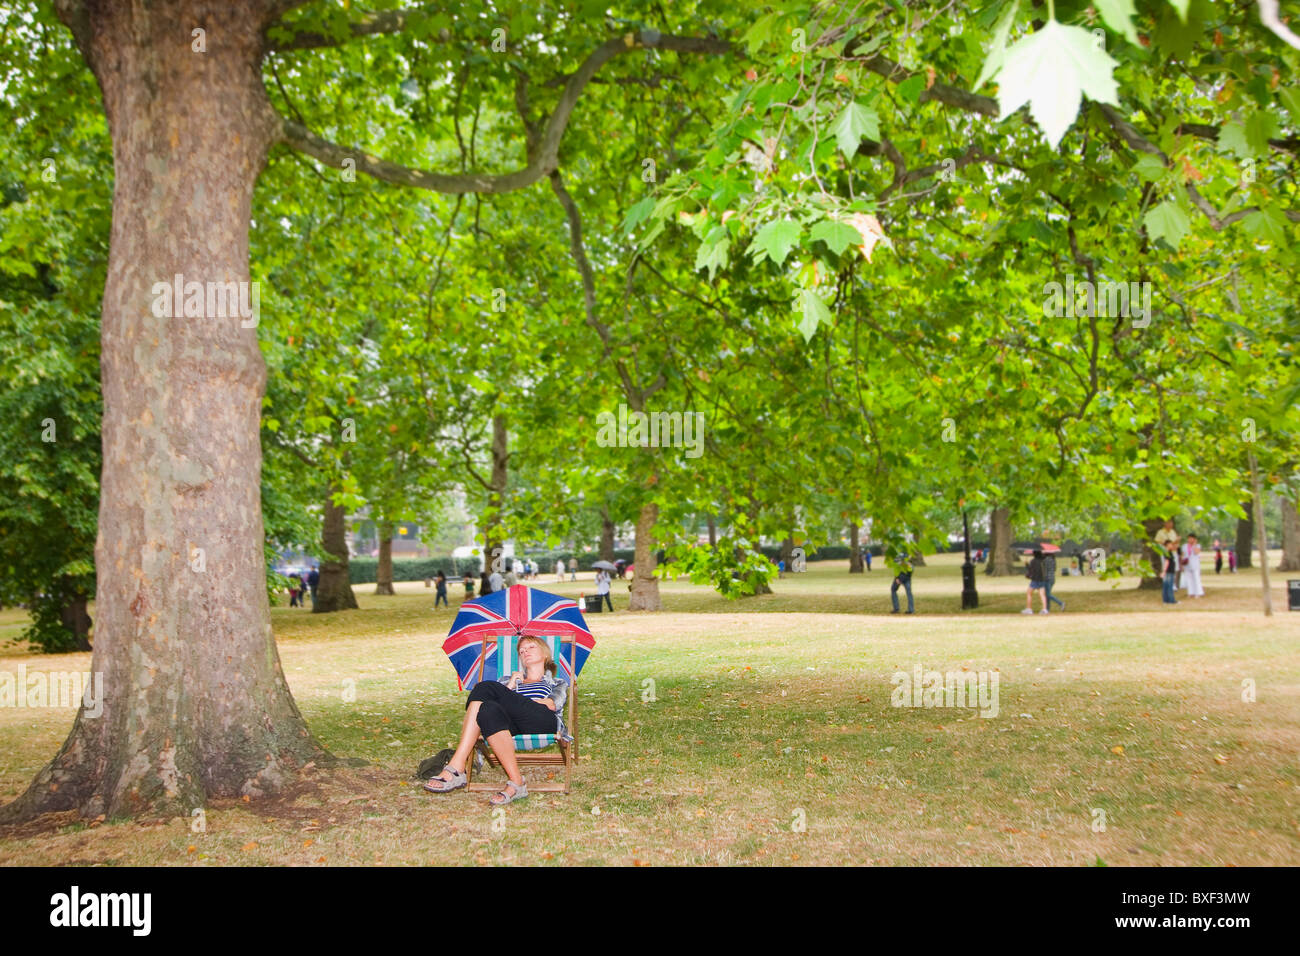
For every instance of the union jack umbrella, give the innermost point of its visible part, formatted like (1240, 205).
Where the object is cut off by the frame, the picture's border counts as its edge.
(518, 611)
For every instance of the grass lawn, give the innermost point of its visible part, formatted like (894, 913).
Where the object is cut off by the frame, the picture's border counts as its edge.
(773, 712)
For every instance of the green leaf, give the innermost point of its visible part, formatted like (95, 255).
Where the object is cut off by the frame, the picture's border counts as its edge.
(814, 312)
(1167, 221)
(1232, 138)
(910, 89)
(1290, 97)
(1117, 14)
(855, 122)
(998, 49)
(712, 253)
(1181, 6)
(838, 236)
(1151, 168)
(1267, 225)
(759, 33)
(637, 214)
(775, 240)
(1051, 70)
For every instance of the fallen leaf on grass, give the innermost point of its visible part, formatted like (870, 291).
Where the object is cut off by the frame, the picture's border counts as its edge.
(250, 845)
(1118, 749)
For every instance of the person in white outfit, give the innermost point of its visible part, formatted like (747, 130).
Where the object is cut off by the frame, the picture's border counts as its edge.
(559, 570)
(602, 588)
(1192, 567)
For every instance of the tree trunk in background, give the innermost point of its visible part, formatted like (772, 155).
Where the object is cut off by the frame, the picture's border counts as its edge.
(787, 552)
(1261, 532)
(1155, 581)
(334, 593)
(195, 703)
(713, 532)
(1290, 535)
(1245, 532)
(77, 620)
(918, 559)
(856, 564)
(607, 536)
(384, 572)
(645, 586)
(493, 545)
(999, 561)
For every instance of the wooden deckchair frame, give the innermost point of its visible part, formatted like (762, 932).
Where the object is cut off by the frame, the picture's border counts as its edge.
(568, 754)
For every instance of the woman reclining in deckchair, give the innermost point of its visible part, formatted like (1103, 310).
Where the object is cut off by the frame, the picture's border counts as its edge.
(525, 703)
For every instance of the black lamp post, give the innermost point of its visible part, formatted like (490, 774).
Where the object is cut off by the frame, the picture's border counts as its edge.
(970, 598)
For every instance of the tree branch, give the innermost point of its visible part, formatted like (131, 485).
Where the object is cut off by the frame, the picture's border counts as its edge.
(541, 163)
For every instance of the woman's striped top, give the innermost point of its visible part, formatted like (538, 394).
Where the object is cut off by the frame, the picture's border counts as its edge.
(534, 690)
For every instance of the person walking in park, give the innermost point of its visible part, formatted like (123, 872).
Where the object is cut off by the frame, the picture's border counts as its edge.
(559, 571)
(1034, 572)
(441, 582)
(573, 569)
(1049, 580)
(602, 589)
(468, 581)
(1232, 560)
(495, 581)
(780, 568)
(1218, 556)
(313, 582)
(902, 579)
(294, 594)
(1192, 569)
(1170, 559)
(511, 579)
(866, 556)
(530, 701)
(484, 584)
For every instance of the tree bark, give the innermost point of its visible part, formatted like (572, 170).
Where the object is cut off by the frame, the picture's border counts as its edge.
(76, 619)
(856, 564)
(334, 592)
(1245, 532)
(384, 570)
(787, 552)
(607, 536)
(1154, 581)
(1290, 535)
(645, 586)
(1000, 562)
(713, 532)
(1262, 533)
(195, 703)
(918, 559)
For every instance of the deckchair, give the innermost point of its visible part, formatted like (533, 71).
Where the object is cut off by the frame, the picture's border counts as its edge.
(535, 749)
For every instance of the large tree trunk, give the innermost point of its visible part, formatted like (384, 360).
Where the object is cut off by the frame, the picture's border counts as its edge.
(77, 620)
(607, 536)
(713, 532)
(787, 552)
(195, 702)
(1000, 562)
(1154, 581)
(1290, 535)
(645, 586)
(1245, 532)
(384, 570)
(335, 590)
(918, 559)
(856, 564)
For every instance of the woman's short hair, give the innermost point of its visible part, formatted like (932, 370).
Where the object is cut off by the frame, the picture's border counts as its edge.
(549, 661)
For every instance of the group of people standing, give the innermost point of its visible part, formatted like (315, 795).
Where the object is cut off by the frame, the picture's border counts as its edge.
(1181, 563)
(300, 583)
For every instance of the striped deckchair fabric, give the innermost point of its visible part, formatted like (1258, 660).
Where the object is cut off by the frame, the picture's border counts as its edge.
(529, 747)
